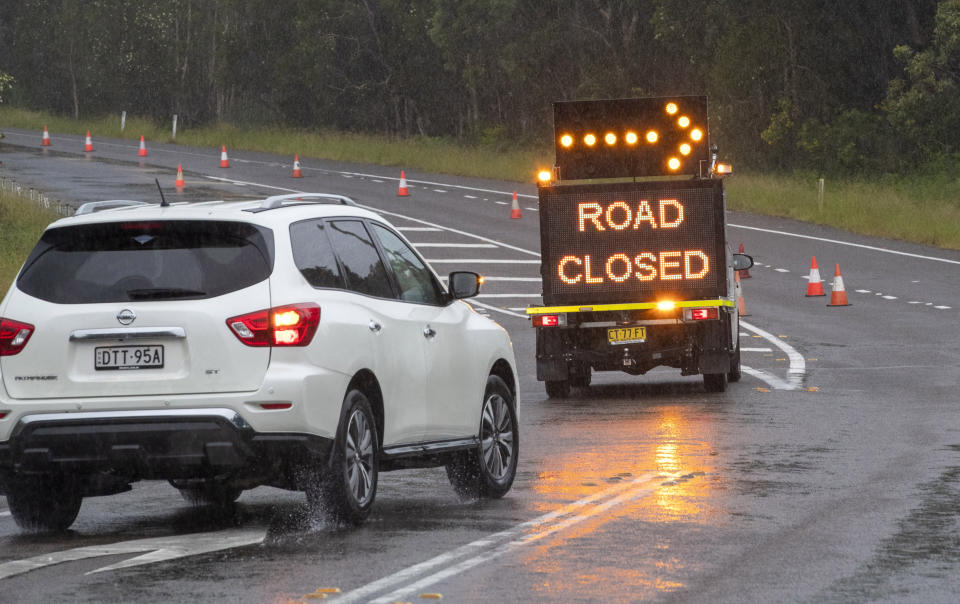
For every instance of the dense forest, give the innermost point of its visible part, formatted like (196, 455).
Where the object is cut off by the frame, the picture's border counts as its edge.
(859, 86)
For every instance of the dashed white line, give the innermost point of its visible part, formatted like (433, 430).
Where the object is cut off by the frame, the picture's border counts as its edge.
(756, 349)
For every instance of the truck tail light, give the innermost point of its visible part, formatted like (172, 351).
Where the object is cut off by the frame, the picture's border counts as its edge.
(700, 314)
(14, 335)
(291, 325)
(546, 320)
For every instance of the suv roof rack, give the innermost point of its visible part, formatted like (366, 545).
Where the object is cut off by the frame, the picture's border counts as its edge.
(277, 201)
(109, 204)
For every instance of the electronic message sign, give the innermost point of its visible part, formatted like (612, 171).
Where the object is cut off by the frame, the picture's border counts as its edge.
(632, 242)
(660, 136)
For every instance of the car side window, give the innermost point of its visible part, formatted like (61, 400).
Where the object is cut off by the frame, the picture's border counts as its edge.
(364, 270)
(313, 254)
(417, 282)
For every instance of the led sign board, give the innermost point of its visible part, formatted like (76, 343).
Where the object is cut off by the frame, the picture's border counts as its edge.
(632, 242)
(661, 136)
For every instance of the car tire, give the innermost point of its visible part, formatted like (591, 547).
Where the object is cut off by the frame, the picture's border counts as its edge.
(43, 505)
(489, 470)
(715, 382)
(735, 372)
(557, 388)
(346, 491)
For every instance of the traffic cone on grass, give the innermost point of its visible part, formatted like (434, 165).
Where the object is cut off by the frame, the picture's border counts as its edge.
(45, 141)
(838, 297)
(515, 208)
(88, 145)
(296, 167)
(179, 182)
(142, 152)
(224, 162)
(402, 190)
(745, 273)
(815, 283)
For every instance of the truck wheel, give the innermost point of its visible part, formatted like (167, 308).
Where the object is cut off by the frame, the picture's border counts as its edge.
(735, 373)
(557, 388)
(43, 505)
(715, 382)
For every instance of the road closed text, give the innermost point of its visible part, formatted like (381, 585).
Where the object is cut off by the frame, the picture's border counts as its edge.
(623, 244)
(646, 266)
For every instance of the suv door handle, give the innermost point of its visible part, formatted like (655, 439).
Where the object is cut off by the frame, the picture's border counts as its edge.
(428, 332)
(374, 326)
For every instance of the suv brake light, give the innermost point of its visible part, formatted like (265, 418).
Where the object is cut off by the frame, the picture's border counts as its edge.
(291, 325)
(14, 335)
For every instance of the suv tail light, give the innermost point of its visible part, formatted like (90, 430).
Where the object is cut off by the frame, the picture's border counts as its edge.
(291, 325)
(14, 335)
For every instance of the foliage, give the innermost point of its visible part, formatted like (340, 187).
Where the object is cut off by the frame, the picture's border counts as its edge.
(867, 86)
(6, 81)
(21, 223)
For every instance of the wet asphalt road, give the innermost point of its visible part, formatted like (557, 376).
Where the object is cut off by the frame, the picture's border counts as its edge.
(831, 472)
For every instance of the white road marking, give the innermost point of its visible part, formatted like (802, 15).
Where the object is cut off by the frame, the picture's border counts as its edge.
(781, 270)
(491, 546)
(155, 549)
(889, 297)
(798, 367)
(420, 229)
(6, 513)
(756, 349)
(501, 203)
(440, 190)
(771, 380)
(463, 245)
(863, 291)
(847, 243)
(942, 307)
(498, 309)
(470, 196)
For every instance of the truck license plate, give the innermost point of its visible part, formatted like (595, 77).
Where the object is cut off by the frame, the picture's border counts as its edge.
(128, 357)
(627, 335)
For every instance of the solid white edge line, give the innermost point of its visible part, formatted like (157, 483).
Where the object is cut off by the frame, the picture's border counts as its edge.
(6, 513)
(639, 489)
(847, 243)
(798, 367)
(771, 380)
(490, 541)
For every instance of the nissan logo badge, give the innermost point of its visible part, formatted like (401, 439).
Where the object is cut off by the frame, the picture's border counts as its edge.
(126, 316)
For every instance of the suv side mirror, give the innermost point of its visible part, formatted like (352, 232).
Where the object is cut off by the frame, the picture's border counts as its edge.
(464, 284)
(742, 262)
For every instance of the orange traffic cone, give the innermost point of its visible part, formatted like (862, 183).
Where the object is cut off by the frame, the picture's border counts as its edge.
(815, 283)
(143, 148)
(838, 297)
(296, 167)
(45, 141)
(515, 208)
(224, 162)
(738, 288)
(402, 190)
(88, 145)
(745, 273)
(179, 182)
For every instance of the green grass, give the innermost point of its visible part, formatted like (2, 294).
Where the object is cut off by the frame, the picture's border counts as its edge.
(921, 209)
(21, 222)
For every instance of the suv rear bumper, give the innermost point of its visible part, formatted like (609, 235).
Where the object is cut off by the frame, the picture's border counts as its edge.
(159, 444)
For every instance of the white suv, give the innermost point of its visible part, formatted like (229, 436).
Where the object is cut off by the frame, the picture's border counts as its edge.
(298, 341)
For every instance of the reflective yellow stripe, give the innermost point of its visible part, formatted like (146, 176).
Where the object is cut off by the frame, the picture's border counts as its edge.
(542, 310)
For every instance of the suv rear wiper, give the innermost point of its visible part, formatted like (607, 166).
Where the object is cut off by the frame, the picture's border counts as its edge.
(157, 293)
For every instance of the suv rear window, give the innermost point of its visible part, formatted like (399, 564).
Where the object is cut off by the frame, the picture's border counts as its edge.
(146, 260)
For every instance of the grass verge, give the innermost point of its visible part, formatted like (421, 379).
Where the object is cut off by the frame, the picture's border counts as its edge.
(21, 222)
(920, 209)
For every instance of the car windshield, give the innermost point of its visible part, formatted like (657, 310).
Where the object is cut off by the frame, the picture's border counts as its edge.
(156, 260)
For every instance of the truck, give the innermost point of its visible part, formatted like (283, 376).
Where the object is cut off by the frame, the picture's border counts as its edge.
(635, 266)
